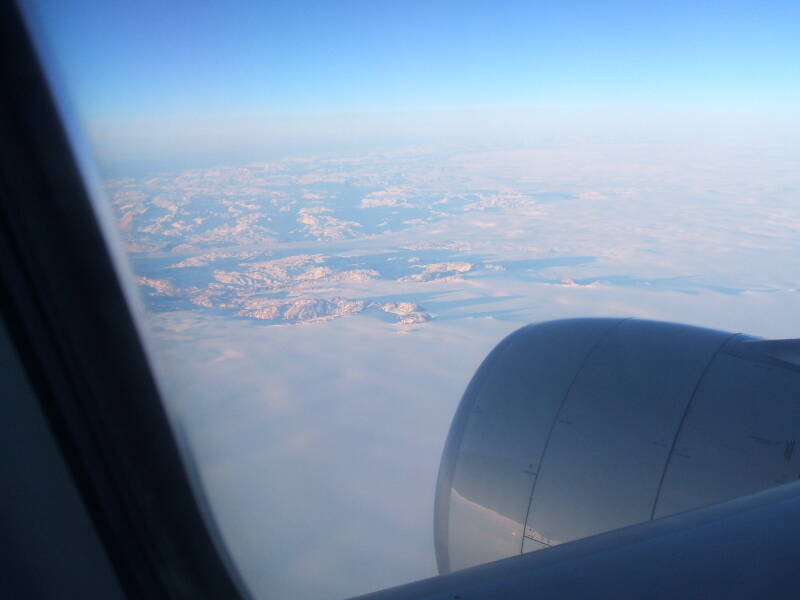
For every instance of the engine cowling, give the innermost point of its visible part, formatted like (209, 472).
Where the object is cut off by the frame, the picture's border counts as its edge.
(575, 427)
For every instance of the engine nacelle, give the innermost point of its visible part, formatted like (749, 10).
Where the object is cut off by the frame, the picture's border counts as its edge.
(575, 427)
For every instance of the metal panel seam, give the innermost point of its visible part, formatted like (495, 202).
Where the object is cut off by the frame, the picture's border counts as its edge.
(683, 420)
(585, 360)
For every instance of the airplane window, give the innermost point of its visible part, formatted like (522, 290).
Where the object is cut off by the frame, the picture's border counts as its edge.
(333, 212)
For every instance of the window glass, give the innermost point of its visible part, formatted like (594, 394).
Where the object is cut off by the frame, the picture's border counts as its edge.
(334, 210)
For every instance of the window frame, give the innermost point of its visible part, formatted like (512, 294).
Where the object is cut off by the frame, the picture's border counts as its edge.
(75, 333)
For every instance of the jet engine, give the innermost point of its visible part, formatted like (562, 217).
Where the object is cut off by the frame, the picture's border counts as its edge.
(575, 427)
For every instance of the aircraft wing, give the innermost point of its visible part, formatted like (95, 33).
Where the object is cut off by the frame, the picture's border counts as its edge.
(743, 548)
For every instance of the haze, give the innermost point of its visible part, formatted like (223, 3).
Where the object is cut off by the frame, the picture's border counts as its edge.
(333, 211)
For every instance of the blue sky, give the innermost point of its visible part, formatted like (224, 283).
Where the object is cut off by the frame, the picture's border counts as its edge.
(136, 70)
